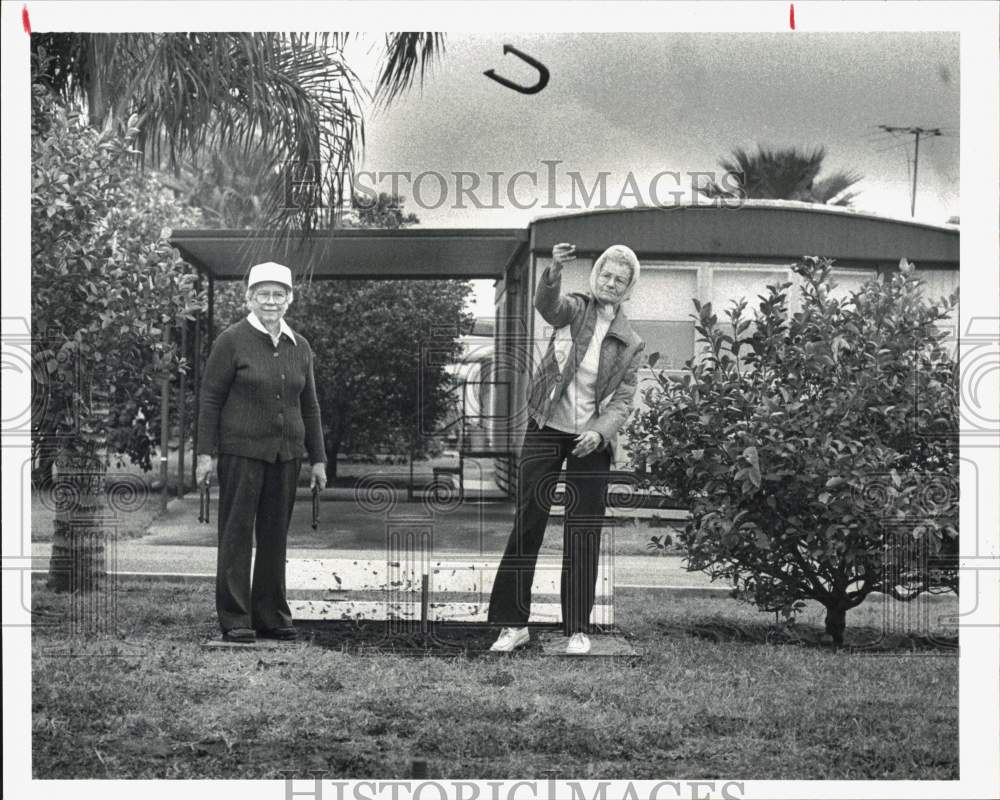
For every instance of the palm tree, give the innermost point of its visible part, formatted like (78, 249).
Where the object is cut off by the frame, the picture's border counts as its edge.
(284, 99)
(782, 174)
(277, 99)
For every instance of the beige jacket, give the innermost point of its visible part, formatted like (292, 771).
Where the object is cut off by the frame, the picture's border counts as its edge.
(573, 317)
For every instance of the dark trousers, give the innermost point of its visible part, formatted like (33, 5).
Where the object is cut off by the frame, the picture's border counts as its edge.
(544, 451)
(253, 493)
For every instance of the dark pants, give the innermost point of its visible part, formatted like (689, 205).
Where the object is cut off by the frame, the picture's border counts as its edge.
(253, 491)
(586, 484)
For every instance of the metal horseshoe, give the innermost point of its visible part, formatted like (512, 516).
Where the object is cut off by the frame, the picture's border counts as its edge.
(543, 73)
(205, 499)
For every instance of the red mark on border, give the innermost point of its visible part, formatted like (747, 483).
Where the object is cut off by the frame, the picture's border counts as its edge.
(25, 21)
(791, 16)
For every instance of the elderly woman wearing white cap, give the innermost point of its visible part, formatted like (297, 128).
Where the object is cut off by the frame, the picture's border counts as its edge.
(580, 397)
(259, 416)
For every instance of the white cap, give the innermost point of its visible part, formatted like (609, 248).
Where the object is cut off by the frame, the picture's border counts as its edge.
(269, 272)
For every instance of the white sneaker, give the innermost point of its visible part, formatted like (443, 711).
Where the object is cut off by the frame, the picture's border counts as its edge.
(579, 645)
(509, 639)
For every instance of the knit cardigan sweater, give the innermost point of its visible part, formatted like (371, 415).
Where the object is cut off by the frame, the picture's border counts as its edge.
(258, 399)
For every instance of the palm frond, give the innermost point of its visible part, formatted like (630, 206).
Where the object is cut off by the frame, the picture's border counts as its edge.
(834, 188)
(787, 173)
(292, 100)
(406, 55)
(287, 101)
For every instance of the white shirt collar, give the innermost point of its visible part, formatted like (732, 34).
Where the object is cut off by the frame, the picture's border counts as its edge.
(283, 327)
(607, 311)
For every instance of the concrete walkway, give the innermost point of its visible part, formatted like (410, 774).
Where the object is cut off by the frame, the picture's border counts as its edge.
(358, 529)
(141, 557)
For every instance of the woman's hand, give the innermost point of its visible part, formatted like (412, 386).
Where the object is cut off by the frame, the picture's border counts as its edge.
(318, 477)
(586, 443)
(561, 254)
(204, 468)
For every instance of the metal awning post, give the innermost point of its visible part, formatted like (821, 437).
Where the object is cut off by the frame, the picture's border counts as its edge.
(165, 427)
(181, 414)
(197, 391)
(211, 310)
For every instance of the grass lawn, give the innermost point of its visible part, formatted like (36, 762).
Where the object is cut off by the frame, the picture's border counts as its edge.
(133, 515)
(136, 502)
(343, 524)
(708, 697)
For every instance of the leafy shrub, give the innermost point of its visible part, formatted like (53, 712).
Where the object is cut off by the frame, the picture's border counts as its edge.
(105, 284)
(818, 451)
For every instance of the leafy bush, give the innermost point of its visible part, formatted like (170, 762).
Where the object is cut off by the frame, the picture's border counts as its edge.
(381, 350)
(817, 452)
(105, 284)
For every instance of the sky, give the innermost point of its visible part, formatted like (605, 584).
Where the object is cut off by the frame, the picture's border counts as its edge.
(643, 103)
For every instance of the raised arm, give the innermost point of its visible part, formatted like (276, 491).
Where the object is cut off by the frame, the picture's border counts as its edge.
(555, 308)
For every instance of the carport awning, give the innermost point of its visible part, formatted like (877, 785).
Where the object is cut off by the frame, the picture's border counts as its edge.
(356, 253)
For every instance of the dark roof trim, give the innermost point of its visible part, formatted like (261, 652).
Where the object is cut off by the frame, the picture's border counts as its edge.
(356, 253)
(752, 232)
(787, 205)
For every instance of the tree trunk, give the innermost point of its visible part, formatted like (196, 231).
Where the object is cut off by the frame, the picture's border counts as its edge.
(332, 449)
(97, 101)
(79, 560)
(41, 470)
(836, 622)
(333, 439)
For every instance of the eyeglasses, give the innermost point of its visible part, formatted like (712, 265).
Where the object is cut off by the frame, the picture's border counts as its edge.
(619, 282)
(263, 297)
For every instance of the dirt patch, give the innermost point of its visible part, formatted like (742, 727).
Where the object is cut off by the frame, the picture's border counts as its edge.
(454, 640)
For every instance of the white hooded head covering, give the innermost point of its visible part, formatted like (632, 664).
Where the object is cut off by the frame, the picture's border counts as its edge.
(616, 254)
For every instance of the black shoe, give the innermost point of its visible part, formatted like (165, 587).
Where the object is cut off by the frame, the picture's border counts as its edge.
(239, 635)
(285, 634)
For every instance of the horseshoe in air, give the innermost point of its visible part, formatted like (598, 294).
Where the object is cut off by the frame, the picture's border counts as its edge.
(543, 73)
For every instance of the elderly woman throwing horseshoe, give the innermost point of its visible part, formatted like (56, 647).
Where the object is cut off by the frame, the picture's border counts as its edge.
(580, 397)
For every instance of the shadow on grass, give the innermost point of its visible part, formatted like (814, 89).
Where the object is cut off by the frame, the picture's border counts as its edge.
(858, 640)
(377, 637)
(462, 640)
(468, 640)
(178, 612)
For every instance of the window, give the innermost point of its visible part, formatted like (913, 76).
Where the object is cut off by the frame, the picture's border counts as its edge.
(661, 309)
(673, 340)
